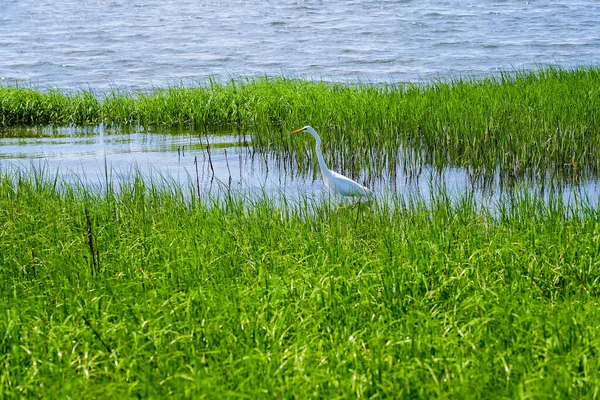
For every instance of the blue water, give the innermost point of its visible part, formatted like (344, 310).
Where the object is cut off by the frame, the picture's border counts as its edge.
(136, 45)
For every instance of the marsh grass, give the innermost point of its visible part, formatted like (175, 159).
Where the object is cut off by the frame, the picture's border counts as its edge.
(152, 292)
(540, 125)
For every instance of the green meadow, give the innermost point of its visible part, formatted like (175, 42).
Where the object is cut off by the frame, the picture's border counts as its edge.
(147, 289)
(151, 292)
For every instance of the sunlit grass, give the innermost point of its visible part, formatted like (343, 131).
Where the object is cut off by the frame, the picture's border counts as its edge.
(151, 292)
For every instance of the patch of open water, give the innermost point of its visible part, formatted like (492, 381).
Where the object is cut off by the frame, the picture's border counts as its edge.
(135, 44)
(91, 156)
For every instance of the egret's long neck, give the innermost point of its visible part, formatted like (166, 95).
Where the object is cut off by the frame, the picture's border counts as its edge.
(324, 169)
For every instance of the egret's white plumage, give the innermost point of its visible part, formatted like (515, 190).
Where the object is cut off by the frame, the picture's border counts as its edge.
(337, 183)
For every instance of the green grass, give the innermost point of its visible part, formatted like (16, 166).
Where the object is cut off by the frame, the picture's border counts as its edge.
(539, 125)
(150, 292)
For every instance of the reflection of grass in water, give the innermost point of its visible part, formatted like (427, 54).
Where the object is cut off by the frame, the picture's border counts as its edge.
(71, 131)
(536, 124)
(150, 292)
(54, 135)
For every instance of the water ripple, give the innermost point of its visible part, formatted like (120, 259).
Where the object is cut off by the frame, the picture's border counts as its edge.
(129, 44)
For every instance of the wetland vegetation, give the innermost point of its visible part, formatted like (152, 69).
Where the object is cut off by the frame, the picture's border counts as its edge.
(149, 292)
(535, 125)
(157, 289)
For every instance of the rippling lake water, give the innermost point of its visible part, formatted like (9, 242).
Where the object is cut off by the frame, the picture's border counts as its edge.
(135, 45)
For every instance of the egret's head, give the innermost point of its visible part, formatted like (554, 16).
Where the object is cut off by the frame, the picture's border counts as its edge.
(310, 130)
(307, 128)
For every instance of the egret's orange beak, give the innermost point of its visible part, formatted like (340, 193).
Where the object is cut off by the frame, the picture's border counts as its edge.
(297, 131)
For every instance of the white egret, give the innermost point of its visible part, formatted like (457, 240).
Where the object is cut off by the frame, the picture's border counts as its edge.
(336, 182)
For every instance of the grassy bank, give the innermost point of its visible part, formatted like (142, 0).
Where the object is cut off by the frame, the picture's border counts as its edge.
(149, 292)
